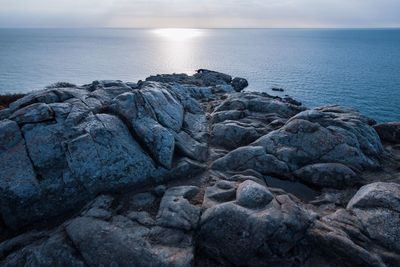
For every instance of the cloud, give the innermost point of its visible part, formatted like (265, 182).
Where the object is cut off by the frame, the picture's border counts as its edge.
(199, 13)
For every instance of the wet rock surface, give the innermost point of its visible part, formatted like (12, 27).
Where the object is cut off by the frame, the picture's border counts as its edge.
(182, 170)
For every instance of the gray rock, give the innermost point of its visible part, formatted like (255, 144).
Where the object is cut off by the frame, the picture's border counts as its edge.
(251, 157)
(253, 195)
(377, 195)
(211, 78)
(18, 183)
(175, 209)
(54, 251)
(122, 244)
(230, 234)
(333, 175)
(191, 148)
(141, 217)
(239, 84)
(389, 131)
(33, 113)
(157, 139)
(111, 149)
(377, 206)
(102, 243)
(196, 126)
(5, 113)
(168, 110)
(231, 134)
(41, 96)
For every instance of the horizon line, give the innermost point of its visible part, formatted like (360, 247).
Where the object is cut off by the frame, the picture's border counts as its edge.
(216, 28)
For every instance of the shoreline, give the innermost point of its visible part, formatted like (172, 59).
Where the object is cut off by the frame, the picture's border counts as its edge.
(182, 170)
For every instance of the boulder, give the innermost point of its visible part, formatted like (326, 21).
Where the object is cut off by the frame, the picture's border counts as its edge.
(332, 175)
(259, 234)
(253, 195)
(176, 211)
(232, 134)
(239, 84)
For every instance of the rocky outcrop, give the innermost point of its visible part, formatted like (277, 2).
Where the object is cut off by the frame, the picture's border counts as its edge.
(323, 135)
(182, 170)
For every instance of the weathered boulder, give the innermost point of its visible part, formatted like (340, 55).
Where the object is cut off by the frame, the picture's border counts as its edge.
(53, 251)
(251, 157)
(232, 134)
(377, 206)
(366, 232)
(253, 195)
(260, 234)
(333, 175)
(389, 131)
(176, 211)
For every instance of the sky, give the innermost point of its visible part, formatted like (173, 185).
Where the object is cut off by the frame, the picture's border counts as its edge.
(200, 13)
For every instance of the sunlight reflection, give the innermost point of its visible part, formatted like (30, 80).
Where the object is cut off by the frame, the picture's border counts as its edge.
(178, 47)
(178, 34)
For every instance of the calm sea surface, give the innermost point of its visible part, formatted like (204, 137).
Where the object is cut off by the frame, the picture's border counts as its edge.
(356, 68)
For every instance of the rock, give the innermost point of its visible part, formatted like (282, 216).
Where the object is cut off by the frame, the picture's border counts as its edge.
(18, 183)
(377, 195)
(253, 195)
(142, 200)
(142, 118)
(239, 84)
(168, 110)
(277, 89)
(231, 134)
(102, 243)
(5, 113)
(117, 160)
(251, 157)
(121, 242)
(141, 217)
(333, 175)
(33, 113)
(175, 209)
(212, 78)
(190, 147)
(54, 251)
(322, 135)
(389, 132)
(382, 226)
(41, 96)
(230, 234)
(67, 150)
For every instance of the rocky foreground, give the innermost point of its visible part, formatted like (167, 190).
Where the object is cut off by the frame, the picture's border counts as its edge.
(185, 170)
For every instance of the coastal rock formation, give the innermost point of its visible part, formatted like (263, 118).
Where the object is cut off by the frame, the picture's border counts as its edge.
(182, 170)
(389, 132)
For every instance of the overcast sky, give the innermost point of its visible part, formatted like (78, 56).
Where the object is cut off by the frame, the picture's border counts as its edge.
(199, 13)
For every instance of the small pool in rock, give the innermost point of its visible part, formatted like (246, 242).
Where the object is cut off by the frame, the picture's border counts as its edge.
(298, 189)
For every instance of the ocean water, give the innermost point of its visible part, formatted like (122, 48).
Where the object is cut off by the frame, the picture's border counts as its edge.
(356, 68)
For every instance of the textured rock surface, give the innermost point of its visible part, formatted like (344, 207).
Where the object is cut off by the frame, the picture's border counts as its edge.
(182, 170)
(389, 132)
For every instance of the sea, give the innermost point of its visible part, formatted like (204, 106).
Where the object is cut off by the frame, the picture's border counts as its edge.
(357, 68)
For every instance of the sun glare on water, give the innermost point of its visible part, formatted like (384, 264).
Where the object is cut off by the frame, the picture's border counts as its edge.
(178, 34)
